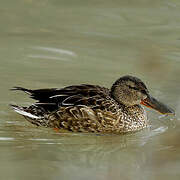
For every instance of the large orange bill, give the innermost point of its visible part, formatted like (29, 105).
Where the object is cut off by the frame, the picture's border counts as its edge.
(151, 102)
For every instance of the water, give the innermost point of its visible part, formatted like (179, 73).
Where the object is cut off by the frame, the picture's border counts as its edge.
(58, 43)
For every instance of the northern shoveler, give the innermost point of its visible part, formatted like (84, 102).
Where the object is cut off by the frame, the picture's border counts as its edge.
(91, 108)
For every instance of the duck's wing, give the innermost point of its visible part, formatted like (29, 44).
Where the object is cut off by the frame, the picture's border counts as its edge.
(77, 95)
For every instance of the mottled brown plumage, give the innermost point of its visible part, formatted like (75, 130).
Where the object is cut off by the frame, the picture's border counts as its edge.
(91, 108)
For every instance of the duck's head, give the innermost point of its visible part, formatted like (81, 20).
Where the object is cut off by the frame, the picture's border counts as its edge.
(130, 91)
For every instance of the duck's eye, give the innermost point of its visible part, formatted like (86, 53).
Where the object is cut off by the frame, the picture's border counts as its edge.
(135, 88)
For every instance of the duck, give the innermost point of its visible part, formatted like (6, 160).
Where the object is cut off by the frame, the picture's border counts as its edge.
(92, 108)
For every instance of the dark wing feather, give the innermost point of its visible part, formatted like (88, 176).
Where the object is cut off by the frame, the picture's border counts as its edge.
(39, 94)
(51, 99)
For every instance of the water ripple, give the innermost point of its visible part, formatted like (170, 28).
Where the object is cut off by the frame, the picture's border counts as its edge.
(56, 50)
(6, 139)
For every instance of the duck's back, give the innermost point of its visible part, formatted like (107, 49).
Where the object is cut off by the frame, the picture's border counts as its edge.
(85, 94)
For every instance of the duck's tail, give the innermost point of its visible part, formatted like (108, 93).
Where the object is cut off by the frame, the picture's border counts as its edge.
(23, 111)
(28, 91)
(32, 114)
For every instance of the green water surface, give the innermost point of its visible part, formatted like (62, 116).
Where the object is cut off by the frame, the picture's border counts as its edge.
(54, 43)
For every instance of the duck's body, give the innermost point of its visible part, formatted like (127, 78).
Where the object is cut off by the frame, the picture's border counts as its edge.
(90, 108)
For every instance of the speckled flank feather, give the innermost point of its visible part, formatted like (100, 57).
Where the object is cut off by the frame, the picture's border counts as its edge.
(85, 119)
(82, 108)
